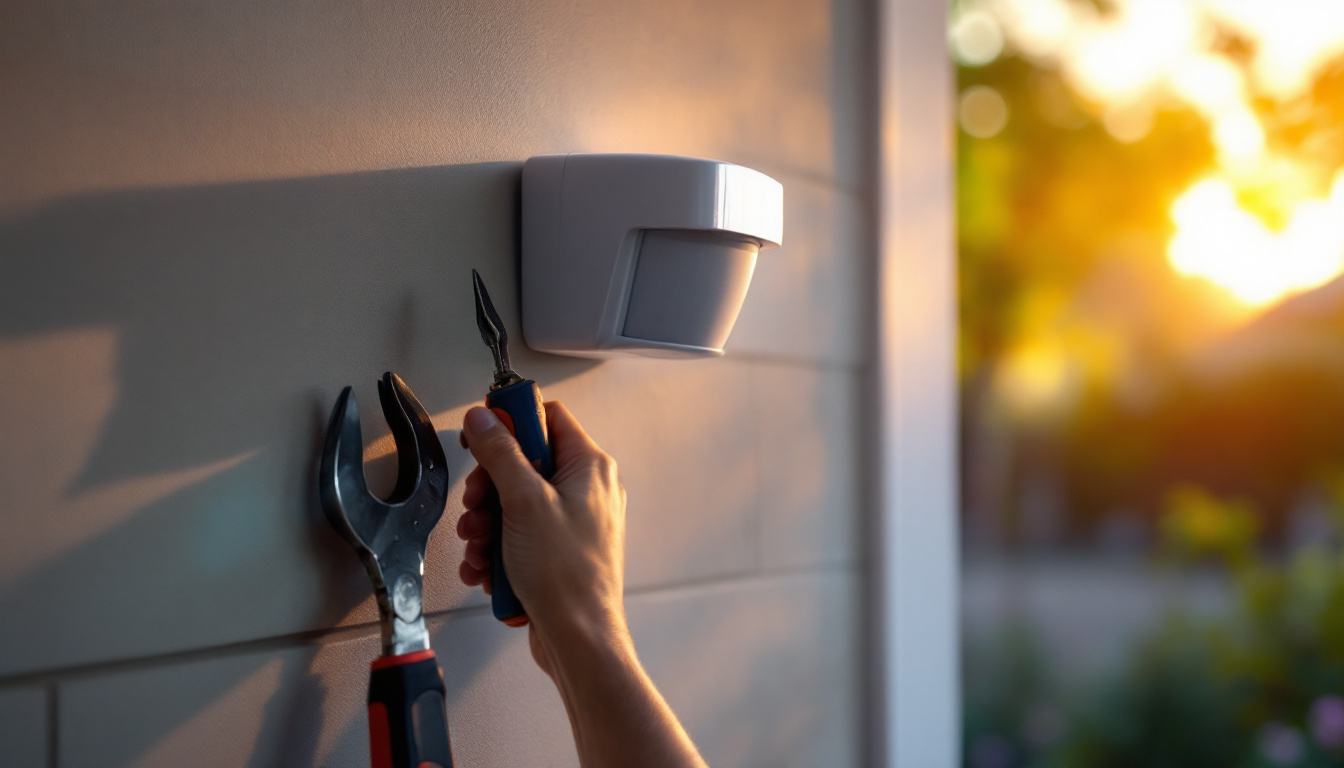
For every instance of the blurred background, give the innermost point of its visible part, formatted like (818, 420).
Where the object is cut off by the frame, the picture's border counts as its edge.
(1151, 234)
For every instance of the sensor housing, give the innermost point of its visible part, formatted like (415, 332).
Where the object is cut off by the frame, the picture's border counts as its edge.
(640, 254)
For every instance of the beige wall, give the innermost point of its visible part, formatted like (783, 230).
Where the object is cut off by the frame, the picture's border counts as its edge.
(212, 217)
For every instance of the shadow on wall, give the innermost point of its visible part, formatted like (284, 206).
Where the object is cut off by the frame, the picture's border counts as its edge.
(237, 311)
(226, 298)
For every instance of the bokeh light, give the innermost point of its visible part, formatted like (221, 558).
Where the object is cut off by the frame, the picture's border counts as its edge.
(1128, 123)
(975, 37)
(982, 111)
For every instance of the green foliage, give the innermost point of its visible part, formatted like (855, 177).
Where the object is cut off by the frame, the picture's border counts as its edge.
(1009, 687)
(1042, 205)
(1235, 690)
(1198, 525)
(1169, 708)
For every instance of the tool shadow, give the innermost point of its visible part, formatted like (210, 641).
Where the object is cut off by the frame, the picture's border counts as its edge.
(237, 313)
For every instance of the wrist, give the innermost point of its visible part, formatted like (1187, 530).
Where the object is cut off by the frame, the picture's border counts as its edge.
(617, 714)
(579, 607)
(584, 637)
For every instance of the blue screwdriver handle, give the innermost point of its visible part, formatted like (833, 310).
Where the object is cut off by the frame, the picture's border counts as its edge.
(519, 407)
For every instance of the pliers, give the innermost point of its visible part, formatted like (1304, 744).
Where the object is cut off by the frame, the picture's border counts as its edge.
(517, 402)
(408, 720)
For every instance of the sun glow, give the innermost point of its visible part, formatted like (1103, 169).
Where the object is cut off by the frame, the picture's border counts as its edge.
(1219, 240)
(1132, 58)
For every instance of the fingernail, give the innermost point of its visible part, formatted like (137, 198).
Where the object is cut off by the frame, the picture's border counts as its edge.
(479, 420)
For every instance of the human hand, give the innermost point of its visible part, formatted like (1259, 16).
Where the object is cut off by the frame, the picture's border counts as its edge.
(564, 540)
(564, 547)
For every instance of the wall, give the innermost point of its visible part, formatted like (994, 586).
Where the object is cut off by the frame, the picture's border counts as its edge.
(213, 216)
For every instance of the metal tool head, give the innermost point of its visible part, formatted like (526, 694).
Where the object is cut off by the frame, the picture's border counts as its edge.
(390, 535)
(493, 334)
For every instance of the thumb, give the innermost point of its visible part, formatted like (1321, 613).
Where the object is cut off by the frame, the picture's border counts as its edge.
(497, 451)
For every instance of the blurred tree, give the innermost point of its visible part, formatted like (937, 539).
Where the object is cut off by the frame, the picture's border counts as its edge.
(1084, 356)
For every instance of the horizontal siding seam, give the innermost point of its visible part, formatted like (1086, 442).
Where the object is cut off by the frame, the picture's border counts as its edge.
(744, 579)
(58, 675)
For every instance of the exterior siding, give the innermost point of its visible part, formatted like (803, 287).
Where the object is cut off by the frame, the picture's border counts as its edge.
(213, 218)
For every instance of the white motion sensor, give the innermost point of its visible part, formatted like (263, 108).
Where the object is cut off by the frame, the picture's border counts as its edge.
(640, 254)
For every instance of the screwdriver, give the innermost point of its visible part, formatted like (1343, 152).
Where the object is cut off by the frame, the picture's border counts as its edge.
(517, 403)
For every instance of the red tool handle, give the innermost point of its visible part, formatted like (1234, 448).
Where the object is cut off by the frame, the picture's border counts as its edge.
(408, 718)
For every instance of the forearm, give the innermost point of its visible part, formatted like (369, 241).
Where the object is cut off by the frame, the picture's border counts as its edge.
(618, 716)
(564, 546)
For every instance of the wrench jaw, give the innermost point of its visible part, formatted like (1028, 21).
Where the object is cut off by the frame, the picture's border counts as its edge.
(341, 480)
(388, 535)
(421, 462)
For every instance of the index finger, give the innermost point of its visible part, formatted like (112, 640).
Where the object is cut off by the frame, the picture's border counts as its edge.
(567, 437)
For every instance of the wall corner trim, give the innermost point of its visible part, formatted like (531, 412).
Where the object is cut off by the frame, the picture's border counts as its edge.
(915, 565)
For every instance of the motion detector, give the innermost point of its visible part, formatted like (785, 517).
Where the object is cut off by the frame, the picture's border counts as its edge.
(640, 254)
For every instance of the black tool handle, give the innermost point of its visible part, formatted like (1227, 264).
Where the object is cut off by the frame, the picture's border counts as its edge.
(519, 407)
(408, 718)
